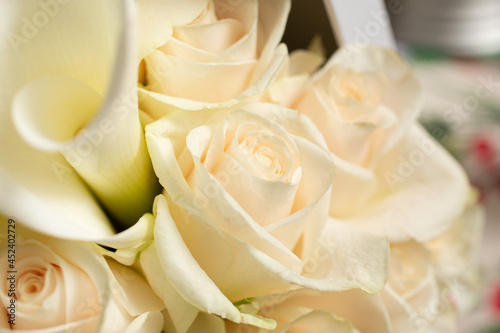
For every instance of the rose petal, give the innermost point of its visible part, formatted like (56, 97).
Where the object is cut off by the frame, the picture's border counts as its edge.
(181, 313)
(272, 21)
(252, 273)
(146, 322)
(4, 323)
(287, 89)
(246, 47)
(186, 275)
(352, 187)
(354, 306)
(413, 293)
(417, 168)
(400, 100)
(454, 255)
(156, 19)
(228, 31)
(304, 62)
(207, 322)
(157, 105)
(191, 80)
(117, 317)
(182, 50)
(94, 267)
(309, 321)
(348, 257)
(133, 291)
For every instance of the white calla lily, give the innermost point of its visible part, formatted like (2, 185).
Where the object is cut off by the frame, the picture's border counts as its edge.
(70, 89)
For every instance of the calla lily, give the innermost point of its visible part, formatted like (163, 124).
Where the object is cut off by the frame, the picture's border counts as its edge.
(70, 104)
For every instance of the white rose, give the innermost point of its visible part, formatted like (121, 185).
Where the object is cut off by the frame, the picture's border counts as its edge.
(228, 52)
(455, 253)
(299, 312)
(432, 283)
(364, 103)
(306, 311)
(389, 170)
(414, 298)
(250, 187)
(59, 286)
(429, 285)
(412, 301)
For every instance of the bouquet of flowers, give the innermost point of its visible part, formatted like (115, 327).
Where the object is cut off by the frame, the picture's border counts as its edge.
(170, 166)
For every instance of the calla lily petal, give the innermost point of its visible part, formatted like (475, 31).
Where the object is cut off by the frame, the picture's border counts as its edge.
(38, 65)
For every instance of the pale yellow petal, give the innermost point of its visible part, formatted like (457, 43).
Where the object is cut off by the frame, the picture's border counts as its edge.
(313, 321)
(421, 191)
(132, 289)
(157, 18)
(32, 51)
(364, 312)
(158, 105)
(181, 313)
(207, 322)
(149, 322)
(187, 277)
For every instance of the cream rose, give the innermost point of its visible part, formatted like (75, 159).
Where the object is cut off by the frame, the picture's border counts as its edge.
(306, 311)
(415, 298)
(454, 255)
(389, 170)
(228, 52)
(59, 286)
(432, 283)
(412, 301)
(429, 285)
(363, 103)
(250, 187)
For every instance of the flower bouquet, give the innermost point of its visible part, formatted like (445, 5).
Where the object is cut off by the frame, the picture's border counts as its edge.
(170, 166)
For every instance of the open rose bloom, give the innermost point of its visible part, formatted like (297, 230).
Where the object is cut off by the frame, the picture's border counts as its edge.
(65, 286)
(256, 190)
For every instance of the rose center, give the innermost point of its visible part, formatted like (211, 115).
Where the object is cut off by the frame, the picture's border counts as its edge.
(30, 283)
(265, 152)
(349, 91)
(408, 269)
(351, 86)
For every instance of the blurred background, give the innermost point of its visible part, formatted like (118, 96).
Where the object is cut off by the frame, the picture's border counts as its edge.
(454, 48)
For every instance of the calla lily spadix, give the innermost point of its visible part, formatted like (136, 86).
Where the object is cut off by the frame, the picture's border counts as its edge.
(69, 78)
